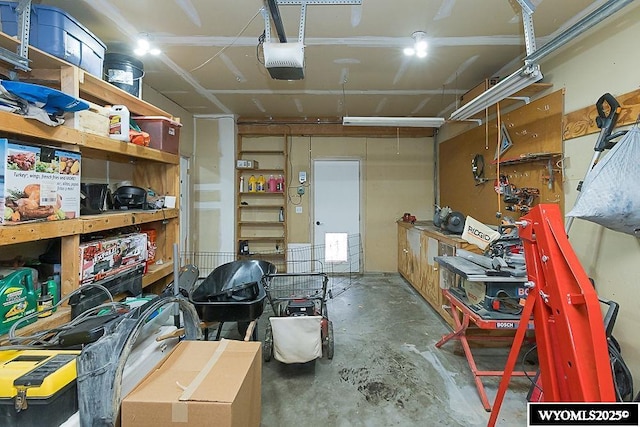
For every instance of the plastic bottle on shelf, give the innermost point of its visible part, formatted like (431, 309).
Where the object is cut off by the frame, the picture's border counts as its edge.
(281, 215)
(46, 299)
(261, 184)
(119, 122)
(271, 184)
(241, 189)
(280, 184)
(252, 184)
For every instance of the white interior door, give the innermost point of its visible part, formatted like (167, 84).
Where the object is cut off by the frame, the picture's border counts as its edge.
(336, 214)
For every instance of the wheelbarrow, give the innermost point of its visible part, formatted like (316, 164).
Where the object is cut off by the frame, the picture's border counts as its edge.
(233, 292)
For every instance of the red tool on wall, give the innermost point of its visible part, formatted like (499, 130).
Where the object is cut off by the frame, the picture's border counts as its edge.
(570, 332)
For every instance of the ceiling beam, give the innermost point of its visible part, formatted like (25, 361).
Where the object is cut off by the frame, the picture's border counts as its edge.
(331, 126)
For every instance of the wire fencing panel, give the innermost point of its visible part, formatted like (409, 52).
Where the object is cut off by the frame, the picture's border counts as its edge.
(300, 258)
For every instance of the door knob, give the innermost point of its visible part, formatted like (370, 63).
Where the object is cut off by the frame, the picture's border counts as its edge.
(317, 222)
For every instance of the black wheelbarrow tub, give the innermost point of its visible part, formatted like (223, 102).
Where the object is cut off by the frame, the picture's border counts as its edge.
(229, 279)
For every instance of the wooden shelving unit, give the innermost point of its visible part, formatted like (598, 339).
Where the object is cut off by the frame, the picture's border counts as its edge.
(258, 214)
(153, 169)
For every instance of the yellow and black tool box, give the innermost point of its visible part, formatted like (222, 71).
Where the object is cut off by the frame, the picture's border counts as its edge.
(37, 387)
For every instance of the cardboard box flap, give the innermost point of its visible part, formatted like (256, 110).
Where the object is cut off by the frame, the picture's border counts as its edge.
(208, 373)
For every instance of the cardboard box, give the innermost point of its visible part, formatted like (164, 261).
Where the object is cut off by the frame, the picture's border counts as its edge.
(38, 182)
(222, 387)
(104, 258)
(246, 164)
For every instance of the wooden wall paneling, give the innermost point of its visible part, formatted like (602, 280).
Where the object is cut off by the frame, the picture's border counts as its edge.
(162, 178)
(533, 128)
(583, 122)
(457, 186)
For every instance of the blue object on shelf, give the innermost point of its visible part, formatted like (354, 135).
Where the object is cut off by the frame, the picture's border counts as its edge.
(51, 100)
(56, 32)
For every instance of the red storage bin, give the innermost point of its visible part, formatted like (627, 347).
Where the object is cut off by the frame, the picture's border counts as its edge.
(164, 132)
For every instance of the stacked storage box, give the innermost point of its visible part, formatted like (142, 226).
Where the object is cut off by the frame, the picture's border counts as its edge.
(58, 33)
(164, 132)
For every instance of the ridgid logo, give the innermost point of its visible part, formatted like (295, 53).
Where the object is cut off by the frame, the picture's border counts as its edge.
(479, 234)
(583, 414)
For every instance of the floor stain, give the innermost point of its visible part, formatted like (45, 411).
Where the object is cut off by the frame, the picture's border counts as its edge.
(458, 401)
(388, 378)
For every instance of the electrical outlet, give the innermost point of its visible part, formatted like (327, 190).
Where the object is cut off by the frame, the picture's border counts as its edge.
(298, 209)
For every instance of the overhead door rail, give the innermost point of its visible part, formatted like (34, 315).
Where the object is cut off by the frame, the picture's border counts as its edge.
(274, 13)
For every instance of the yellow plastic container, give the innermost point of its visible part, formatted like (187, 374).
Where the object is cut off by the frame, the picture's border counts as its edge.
(252, 184)
(261, 184)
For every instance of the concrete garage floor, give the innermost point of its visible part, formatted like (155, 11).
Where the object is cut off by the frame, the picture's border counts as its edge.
(386, 370)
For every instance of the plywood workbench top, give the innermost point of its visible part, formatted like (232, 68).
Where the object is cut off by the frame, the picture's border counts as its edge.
(431, 230)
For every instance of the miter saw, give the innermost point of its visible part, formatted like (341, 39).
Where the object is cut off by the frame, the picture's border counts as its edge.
(449, 220)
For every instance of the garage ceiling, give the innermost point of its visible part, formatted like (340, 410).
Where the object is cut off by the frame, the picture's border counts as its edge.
(354, 65)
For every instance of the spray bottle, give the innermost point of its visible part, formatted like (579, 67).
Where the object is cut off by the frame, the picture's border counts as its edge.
(48, 298)
(17, 297)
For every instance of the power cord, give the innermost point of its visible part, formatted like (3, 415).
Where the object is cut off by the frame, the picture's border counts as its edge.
(622, 378)
(506, 303)
(227, 46)
(261, 39)
(524, 360)
(48, 338)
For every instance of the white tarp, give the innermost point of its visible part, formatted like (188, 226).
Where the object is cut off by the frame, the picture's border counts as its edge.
(296, 339)
(610, 193)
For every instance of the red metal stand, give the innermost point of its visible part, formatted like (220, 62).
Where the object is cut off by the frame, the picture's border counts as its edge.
(570, 332)
(462, 316)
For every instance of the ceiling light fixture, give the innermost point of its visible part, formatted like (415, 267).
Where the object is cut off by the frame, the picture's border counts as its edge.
(143, 46)
(416, 122)
(420, 45)
(519, 80)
